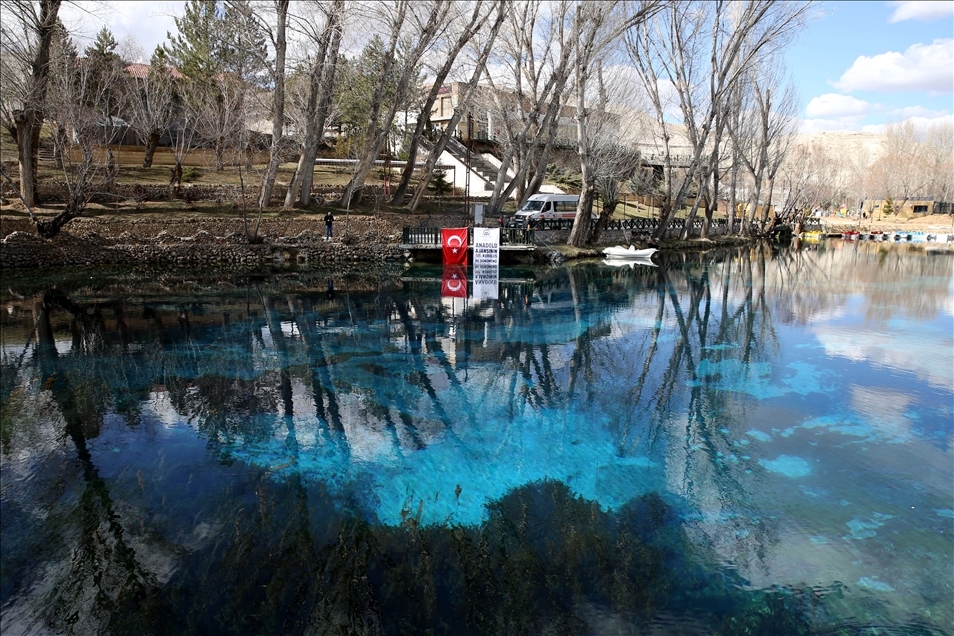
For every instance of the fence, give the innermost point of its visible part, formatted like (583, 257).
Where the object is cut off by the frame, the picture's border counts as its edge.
(518, 236)
(631, 224)
(432, 236)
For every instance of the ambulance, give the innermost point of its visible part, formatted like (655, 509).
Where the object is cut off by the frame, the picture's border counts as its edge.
(550, 207)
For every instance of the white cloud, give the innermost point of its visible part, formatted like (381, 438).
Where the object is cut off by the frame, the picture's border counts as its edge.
(145, 23)
(909, 112)
(832, 112)
(924, 67)
(919, 122)
(834, 105)
(921, 10)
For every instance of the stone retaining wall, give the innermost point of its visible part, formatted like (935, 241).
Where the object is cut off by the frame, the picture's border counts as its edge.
(197, 242)
(57, 192)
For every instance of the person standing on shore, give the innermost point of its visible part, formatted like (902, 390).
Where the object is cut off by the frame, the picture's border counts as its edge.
(329, 221)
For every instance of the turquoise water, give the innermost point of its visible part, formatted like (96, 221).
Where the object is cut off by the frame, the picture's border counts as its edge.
(747, 441)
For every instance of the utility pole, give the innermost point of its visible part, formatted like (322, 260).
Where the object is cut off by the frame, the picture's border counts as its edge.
(470, 134)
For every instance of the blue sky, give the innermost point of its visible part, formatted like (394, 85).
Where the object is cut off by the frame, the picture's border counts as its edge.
(858, 66)
(863, 64)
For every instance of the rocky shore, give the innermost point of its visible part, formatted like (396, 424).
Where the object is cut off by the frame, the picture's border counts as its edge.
(210, 240)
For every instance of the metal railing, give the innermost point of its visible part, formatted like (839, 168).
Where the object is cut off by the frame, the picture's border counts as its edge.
(431, 237)
(628, 224)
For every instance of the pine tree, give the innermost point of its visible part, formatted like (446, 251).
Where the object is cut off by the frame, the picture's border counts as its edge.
(244, 53)
(198, 50)
(104, 46)
(103, 85)
(888, 207)
(439, 184)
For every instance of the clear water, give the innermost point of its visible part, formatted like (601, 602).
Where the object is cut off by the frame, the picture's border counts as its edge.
(748, 441)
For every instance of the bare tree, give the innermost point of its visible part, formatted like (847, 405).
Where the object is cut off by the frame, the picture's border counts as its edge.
(598, 25)
(810, 178)
(26, 35)
(190, 97)
(527, 98)
(689, 58)
(79, 93)
(428, 20)
(762, 132)
(466, 97)
(939, 162)
(611, 161)
(899, 173)
(151, 103)
(278, 36)
(221, 113)
(478, 18)
(317, 105)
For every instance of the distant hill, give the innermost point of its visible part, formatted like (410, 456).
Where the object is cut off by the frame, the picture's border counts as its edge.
(845, 144)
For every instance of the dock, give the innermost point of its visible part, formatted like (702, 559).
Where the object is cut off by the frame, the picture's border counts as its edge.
(425, 242)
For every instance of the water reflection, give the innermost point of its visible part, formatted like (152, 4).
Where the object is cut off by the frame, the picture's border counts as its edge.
(603, 447)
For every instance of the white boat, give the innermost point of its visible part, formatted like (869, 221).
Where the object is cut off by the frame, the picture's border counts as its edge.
(628, 252)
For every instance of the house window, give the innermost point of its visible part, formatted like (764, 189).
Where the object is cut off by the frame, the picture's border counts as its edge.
(920, 209)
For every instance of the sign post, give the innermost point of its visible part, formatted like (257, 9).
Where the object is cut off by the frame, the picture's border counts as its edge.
(486, 262)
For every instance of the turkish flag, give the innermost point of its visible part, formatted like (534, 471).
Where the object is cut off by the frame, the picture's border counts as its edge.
(454, 244)
(455, 281)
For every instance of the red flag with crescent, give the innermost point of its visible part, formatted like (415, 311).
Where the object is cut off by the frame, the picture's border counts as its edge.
(454, 282)
(454, 244)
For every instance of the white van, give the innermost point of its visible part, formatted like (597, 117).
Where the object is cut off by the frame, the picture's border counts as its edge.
(545, 207)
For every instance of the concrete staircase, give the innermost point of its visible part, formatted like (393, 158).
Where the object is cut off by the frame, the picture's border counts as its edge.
(479, 167)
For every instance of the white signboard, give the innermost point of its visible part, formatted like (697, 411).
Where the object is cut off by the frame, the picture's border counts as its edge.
(486, 262)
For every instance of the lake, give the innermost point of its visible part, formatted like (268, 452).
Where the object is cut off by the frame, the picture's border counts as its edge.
(752, 440)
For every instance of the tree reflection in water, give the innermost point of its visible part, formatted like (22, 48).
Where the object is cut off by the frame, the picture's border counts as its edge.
(169, 543)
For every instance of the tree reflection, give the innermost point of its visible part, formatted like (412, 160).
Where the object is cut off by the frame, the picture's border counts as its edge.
(669, 361)
(104, 588)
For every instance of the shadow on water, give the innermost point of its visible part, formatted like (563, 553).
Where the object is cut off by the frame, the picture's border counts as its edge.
(186, 547)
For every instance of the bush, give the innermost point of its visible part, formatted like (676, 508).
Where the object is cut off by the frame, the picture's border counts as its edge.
(190, 174)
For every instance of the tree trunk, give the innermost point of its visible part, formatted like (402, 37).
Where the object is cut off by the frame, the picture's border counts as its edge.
(580, 233)
(768, 203)
(74, 208)
(712, 201)
(319, 100)
(690, 219)
(609, 207)
(278, 105)
(376, 133)
(733, 184)
(219, 155)
(749, 218)
(175, 179)
(26, 157)
(29, 121)
(112, 168)
(151, 144)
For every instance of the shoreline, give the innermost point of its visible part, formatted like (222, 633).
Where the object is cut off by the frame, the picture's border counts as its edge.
(200, 239)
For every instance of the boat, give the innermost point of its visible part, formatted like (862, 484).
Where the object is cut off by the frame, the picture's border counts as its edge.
(628, 252)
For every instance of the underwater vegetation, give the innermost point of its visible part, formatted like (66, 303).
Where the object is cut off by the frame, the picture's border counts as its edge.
(544, 562)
